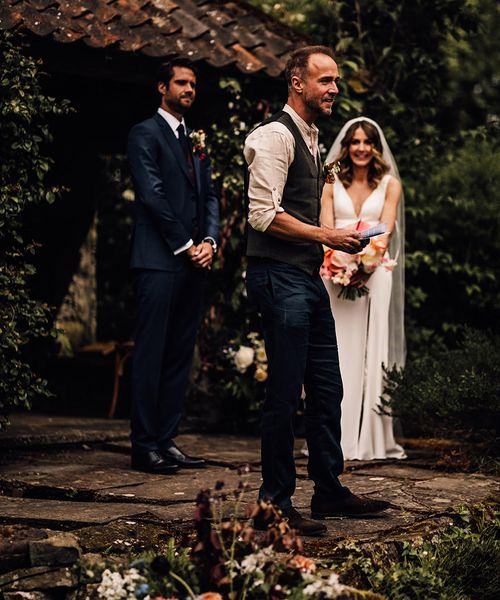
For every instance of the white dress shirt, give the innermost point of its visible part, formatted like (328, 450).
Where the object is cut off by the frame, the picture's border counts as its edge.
(172, 121)
(269, 151)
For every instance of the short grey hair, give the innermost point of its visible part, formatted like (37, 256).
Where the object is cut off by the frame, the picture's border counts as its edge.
(298, 62)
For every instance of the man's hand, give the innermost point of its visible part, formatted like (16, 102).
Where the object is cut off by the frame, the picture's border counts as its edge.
(347, 240)
(201, 256)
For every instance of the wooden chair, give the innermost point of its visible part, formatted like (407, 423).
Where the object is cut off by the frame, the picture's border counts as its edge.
(122, 351)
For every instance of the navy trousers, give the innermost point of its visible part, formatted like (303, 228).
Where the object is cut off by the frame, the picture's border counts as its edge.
(301, 346)
(169, 312)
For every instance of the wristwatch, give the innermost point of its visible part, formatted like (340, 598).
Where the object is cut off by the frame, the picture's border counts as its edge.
(212, 242)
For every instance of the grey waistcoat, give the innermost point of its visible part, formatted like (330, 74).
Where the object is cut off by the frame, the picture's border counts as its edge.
(301, 199)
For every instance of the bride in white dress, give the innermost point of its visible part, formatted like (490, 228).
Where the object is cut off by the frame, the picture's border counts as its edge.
(370, 329)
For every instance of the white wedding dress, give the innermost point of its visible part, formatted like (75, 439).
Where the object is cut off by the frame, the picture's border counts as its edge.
(363, 340)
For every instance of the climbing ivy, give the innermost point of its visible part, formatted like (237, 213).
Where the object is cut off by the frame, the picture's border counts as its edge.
(24, 166)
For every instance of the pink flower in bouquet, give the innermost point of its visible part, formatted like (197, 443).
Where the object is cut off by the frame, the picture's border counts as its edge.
(352, 271)
(337, 264)
(372, 256)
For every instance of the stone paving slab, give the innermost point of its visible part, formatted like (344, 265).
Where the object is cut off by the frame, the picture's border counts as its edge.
(121, 485)
(393, 470)
(29, 430)
(60, 514)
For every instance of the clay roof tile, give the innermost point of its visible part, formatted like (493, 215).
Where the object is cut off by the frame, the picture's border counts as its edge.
(39, 22)
(219, 56)
(9, 17)
(247, 62)
(220, 32)
(191, 27)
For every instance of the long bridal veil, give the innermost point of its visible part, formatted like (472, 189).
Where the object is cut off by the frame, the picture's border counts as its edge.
(397, 344)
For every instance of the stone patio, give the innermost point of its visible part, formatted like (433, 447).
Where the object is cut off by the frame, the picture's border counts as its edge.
(62, 473)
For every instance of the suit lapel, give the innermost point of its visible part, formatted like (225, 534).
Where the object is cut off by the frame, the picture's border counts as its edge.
(196, 163)
(173, 142)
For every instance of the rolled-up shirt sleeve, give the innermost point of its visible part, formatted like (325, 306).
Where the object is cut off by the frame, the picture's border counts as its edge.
(269, 151)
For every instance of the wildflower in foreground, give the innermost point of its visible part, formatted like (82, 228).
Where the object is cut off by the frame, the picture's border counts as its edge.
(306, 565)
(115, 586)
(328, 588)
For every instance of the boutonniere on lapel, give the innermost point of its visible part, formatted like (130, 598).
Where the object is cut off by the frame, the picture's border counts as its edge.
(198, 140)
(330, 170)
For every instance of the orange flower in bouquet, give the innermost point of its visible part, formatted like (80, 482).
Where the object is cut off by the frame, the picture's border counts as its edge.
(352, 271)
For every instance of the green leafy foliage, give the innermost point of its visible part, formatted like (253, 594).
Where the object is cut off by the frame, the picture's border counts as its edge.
(454, 239)
(24, 113)
(451, 393)
(471, 94)
(460, 564)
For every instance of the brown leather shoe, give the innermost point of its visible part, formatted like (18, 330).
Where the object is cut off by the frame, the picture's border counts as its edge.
(302, 525)
(350, 506)
(272, 515)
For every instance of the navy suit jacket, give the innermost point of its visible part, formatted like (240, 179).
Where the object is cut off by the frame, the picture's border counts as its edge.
(166, 198)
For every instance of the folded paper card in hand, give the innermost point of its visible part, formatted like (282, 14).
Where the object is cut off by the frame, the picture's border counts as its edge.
(373, 231)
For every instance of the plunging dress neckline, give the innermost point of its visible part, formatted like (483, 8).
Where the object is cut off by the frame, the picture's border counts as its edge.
(362, 203)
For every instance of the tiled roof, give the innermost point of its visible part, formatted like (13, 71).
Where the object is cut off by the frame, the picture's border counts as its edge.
(218, 32)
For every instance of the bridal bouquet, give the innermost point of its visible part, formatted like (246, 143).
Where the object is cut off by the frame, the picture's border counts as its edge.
(352, 271)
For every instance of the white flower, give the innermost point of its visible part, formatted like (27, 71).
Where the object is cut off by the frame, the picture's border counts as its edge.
(390, 263)
(370, 258)
(255, 562)
(344, 277)
(114, 586)
(244, 358)
(198, 139)
(329, 588)
(128, 195)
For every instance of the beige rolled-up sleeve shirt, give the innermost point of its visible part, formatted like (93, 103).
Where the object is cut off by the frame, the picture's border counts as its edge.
(269, 151)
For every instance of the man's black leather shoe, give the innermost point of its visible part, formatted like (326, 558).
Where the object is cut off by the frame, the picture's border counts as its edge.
(175, 456)
(350, 506)
(152, 462)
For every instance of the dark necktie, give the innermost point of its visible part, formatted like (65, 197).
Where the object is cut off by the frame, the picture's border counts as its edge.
(183, 141)
(186, 150)
(188, 155)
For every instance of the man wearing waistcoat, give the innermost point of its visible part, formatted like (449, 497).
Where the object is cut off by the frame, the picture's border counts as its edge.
(284, 249)
(173, 245)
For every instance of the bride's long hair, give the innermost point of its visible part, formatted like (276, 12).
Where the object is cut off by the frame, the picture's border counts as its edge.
(377, 168)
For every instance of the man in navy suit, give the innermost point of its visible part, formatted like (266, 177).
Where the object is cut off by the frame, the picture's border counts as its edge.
(173, 245)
